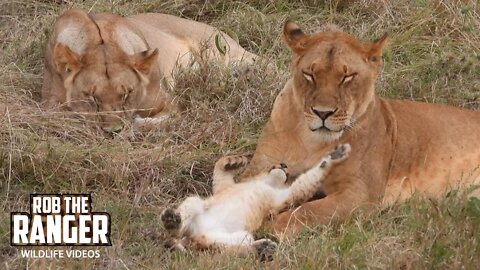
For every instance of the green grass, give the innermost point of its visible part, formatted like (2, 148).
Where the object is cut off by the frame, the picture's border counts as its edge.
(433, 55)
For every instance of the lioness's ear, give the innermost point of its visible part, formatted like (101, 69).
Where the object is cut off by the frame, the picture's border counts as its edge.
(376, 49)
(66, 61)
(294, 37)
(144, 61)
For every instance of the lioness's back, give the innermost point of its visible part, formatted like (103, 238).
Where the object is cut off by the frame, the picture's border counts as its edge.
(194, 31)
(444, 137)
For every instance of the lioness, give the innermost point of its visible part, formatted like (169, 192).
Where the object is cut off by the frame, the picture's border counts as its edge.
(119, 66)
(399, 147)
(229, 218)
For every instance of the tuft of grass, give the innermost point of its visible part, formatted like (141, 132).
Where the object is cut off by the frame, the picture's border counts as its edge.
(433, 56)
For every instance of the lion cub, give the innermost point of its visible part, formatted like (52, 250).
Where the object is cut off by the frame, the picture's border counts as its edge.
(229, 217)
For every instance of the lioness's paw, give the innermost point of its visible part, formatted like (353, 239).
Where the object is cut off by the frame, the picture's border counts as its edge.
(229, 163)
(171, 219)
(341, 152)
(265, 249)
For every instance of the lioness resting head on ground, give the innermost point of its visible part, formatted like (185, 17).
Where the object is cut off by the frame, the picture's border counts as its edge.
(399, 147)
(120, 66)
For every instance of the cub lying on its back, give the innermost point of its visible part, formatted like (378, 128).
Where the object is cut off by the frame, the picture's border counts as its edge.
(228, 218)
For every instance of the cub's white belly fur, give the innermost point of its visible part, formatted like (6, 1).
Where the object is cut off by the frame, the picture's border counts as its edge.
(232, 214)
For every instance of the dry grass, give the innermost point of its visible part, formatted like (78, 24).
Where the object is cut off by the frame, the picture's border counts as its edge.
(434, 56)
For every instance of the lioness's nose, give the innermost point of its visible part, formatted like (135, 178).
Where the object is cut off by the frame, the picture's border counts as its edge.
(323, 114)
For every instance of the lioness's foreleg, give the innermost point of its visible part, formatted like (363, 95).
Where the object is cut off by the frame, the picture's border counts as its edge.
(336, 206)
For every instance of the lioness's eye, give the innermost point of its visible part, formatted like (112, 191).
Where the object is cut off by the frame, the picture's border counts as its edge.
(348, 78)
(308, 76)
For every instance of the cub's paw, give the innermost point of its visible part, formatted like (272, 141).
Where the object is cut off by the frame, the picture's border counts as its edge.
(265, 249)
(341, 152)
(171, 219)
(174, 244)
(229, 163)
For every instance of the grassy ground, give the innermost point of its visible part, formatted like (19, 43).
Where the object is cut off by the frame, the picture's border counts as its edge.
(433, 56)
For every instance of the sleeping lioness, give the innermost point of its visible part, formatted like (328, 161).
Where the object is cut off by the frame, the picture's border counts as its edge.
(120, 66)
(399, 147)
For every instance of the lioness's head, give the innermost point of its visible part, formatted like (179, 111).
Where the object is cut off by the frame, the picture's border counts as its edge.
(334, 76)
(105, 80)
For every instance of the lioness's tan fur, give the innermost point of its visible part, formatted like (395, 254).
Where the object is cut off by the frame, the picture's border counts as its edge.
(399, 147)
(121, 66)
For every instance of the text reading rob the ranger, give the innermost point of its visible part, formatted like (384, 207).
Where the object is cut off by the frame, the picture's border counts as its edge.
(60, 220)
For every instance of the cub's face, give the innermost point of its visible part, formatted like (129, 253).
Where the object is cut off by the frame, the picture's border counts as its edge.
(334, 75)
(114, 86)
(277, 178)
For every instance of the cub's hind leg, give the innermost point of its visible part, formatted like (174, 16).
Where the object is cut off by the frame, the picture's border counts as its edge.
(265, 249)
(177, 221)
(239, 243)
(172, 222)
(224, 171)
